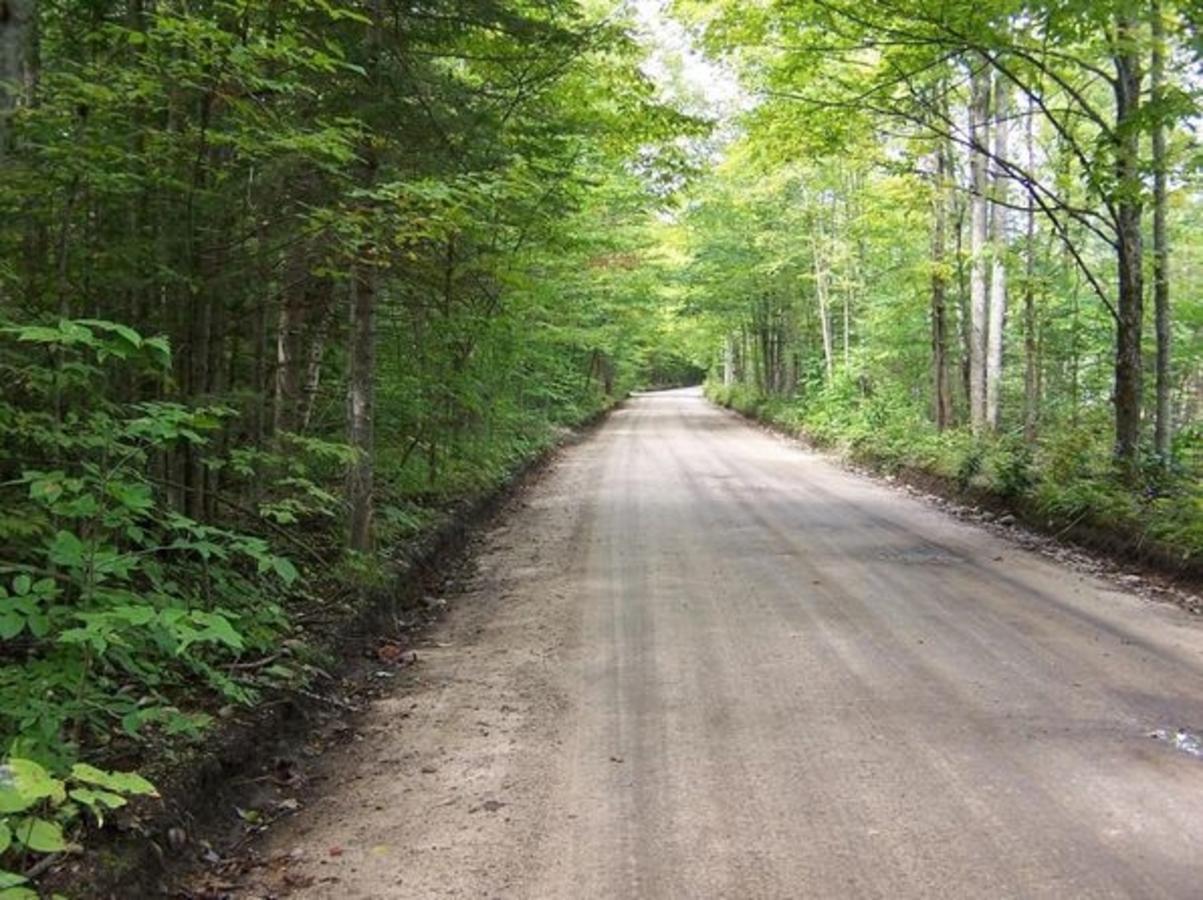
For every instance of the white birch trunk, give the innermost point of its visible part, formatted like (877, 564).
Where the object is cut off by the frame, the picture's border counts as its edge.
(282, 394)
(979, 110)
(824, 303)
(998, 261)
(361, 379)
(313, 367)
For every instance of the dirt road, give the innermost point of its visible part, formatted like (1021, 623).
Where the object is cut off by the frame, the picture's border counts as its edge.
(698, 661)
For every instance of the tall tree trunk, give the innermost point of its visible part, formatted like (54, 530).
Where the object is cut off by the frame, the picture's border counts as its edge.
(296, 300)
(313, 364)
(1031, 368)
(282, 389)
(824, 304)
(1163, 426)
(998, 257)
(18, 28)
(1075, 345)
(979, 110)
(1128, 213)
(942, 399)
(259, 412)
(747, 363)
(361, 382)
(847, 330)
(962, 305)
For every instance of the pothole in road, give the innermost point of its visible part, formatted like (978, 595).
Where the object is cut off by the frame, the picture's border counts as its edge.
(1188, 742)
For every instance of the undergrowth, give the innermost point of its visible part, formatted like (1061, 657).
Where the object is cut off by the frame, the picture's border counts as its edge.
(133, 619)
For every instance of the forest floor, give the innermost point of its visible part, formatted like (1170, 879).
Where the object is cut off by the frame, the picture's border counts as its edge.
(697, 660)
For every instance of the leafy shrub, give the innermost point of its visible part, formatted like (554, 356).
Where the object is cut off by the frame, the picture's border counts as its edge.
(1010, 464)
(114, 605)
(292, 480)
(40, 814)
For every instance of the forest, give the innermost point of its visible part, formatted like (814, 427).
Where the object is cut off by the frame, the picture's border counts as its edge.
(963, 240)
(283, 281)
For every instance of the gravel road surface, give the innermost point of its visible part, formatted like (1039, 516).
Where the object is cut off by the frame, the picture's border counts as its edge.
(696, 660)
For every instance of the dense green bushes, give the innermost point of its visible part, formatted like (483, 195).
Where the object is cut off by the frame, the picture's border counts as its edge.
(120, 616)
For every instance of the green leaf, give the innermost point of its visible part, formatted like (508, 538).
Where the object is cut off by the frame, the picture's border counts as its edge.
(91, 797)
(45, 487)
(160, 351)
(66, 550)
(40, 835)
(21, 585)
(217, 628)
(67, 334)
(6, 839)
(284, 568)
(11, 624)
(97, 801)
(187, 723)
(38, 625)
(118, 782)
(17, 893)
(131, 495)
(116, 328)
(23, 783)
(10, 880)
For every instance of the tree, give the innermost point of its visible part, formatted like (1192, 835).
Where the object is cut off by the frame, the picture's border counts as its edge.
(979, 288)
(1128, 210)
(291, 278)
(1163, 424)
(18, 28)
(998, 258)
(941, 388)
(1082, 66)
(900, 93)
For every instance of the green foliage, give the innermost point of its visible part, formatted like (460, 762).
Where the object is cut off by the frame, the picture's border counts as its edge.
(111, 601)
(42, 814)
(224, 182)
(227, 181)
(831, 268)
